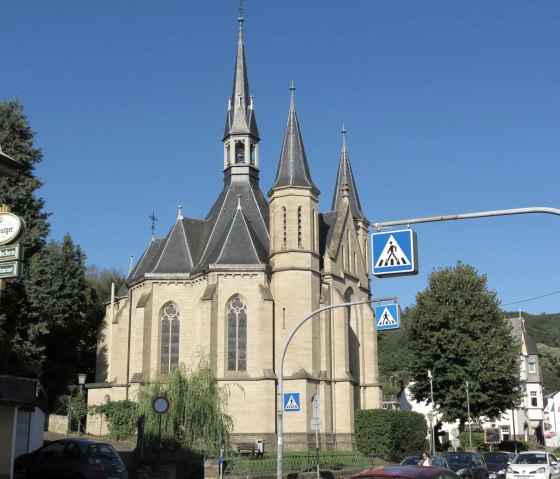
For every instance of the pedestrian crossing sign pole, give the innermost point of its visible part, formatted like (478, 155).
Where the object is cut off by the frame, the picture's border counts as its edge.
(387, 316)
(394, 253)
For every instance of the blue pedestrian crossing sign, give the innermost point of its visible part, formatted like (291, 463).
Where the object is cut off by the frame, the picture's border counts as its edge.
(387, 316)
(291, 402)
(394, 253)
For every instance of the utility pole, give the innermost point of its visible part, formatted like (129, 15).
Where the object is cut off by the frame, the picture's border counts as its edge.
(432, 437)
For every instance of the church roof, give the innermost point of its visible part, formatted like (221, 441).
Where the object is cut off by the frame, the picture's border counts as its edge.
(239, 244)
(293, 169)
(243, 191)
(345, 177)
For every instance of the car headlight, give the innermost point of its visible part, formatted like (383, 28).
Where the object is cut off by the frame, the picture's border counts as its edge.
(509, 470)
(503, 471)
(540, 470)
(462, 472)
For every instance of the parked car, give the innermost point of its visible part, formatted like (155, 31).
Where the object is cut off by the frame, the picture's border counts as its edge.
(407, 472)
(497, 463)
(414, 460)
(71, 458)
(534, 465)
(468, 465)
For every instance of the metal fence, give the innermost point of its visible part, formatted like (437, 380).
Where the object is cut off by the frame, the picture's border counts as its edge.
(243, 465)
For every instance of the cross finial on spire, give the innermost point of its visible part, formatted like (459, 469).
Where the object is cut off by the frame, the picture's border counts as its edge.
(240, 19)
(180, 214)
(292, 95)
(154, 219)
(343, 137)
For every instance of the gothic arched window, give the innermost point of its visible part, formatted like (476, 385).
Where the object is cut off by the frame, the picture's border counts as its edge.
(237, 335)
(240, 152)
(169, 349)
(299, 233)
(284, 227)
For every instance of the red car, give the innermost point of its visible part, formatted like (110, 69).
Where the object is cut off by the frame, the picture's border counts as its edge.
(407, 472)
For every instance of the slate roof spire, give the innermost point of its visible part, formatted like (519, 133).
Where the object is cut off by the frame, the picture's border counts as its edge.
(293, 169)
(240, 118)
(345, 177)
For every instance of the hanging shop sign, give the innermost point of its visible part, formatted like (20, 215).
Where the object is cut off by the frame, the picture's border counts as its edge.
(11, 228)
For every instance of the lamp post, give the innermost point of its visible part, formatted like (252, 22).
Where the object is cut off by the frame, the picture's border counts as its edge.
(469, 413)
(431, 415)
(280, 390)
(81, 382)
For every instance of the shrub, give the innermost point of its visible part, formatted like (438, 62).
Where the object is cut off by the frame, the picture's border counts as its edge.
(122, 417)
(385, 431)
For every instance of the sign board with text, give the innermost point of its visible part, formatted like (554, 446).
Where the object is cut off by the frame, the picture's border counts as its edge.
(12, 269)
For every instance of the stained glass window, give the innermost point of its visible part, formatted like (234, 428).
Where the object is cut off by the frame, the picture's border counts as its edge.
(170, 328)
(237, 335)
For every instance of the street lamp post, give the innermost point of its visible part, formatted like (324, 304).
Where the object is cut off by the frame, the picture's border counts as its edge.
(431, 414)
(469, 413)
(81, 382)
(280, 392)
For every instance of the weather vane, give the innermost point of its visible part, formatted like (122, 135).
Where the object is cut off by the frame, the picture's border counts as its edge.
(154, 219)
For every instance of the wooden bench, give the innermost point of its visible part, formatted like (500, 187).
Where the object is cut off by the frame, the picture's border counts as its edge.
(249, 448)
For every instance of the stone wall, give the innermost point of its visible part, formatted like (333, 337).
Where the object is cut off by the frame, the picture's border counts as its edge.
(57, 423)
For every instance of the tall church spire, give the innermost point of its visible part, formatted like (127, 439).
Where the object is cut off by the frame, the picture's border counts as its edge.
(293, 169)
(345, 177)
(241, 135)
(240, 117)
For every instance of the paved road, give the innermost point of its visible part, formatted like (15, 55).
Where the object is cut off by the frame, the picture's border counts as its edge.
(124, 448)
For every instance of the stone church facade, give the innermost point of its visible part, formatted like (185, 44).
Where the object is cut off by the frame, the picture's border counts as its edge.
(235, 284)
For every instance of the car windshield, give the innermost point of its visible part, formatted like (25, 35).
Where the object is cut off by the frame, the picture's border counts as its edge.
(458, 458)
(496, 458)
(530, 458)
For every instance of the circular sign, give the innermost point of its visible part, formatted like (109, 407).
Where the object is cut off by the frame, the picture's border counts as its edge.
(160, 405)
(455, 442)
(11, 228)
(454, 432)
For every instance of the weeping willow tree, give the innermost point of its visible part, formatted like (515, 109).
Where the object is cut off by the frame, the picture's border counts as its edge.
(196, 419)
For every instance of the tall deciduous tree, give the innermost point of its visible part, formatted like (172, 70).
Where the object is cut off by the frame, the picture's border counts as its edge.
(456, 331)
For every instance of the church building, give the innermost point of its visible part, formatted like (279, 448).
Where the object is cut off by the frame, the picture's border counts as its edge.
(236, 283)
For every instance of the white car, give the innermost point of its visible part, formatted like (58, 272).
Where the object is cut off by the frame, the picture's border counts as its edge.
(534, 465)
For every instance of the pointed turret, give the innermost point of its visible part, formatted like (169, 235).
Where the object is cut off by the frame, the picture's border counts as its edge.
(241, 135)
(293, 170)
(345, 177)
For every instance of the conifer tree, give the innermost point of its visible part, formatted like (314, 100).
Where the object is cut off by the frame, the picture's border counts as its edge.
(19, 339)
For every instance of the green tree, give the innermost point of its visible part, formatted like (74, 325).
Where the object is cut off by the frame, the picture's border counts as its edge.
(550, 365)
(457, 331)
(196, 419)
(392, 356)
(19, 349)
(57, 293)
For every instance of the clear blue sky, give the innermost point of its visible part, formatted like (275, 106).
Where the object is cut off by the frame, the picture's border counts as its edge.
(450, 106)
